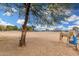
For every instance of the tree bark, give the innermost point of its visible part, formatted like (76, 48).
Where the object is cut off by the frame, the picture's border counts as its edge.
(24, 27)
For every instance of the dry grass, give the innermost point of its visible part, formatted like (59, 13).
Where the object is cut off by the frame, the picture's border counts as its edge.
(37, 44)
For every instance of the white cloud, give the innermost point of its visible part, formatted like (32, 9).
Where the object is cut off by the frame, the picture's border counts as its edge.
(10, 24)
(20, 21)
(59, 26)
(77, 22)
(64, 22)
(5, 23)
(62, 27)
(14, 10)
(72, 18)
(7, 13)
(68, 12)
(71, 27)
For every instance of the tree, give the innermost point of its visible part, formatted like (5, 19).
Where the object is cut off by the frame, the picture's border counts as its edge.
(33, 27)
(60, 11)
(24, 10)
(10, 28)
(2, 28)
(29, 28)
(15, 28)
(43, 14)
(37, 14)
(22, 41)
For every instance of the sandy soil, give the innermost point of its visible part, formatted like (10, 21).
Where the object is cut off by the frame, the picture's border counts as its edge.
(37, 44)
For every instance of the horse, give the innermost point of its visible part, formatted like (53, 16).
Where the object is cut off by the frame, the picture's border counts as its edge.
(68, 36)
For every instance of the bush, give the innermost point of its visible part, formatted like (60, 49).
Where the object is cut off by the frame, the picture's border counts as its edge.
(2, 28)
(29, 28)
(9, 28)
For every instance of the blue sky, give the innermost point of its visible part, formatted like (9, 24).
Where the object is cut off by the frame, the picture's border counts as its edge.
(7, 18)
(11, 19)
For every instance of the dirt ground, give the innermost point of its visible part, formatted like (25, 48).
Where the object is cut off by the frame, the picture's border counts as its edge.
(37, 44)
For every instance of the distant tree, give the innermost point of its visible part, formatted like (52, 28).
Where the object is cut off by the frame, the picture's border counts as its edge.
(10, 28)
(20, 28)
(15, 28)
(2, 28)
(33, 27)
(29, 28)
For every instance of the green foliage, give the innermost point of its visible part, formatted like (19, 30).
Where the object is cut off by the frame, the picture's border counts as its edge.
(19, 29)
(29, 28)
(33, 27)
(2, 28)
(14, 28)
(11, 28)
(59, 11)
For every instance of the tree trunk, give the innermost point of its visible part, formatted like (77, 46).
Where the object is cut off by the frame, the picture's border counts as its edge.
(24, 28)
